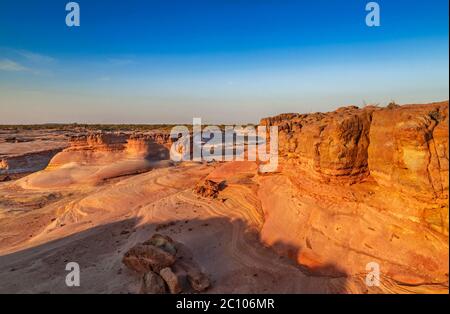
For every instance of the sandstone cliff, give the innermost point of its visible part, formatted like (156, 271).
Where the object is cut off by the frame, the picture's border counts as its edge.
(107, 147)
(96, 157)
(409, 150)
(359, 186)
(404, 147)
(329, 146)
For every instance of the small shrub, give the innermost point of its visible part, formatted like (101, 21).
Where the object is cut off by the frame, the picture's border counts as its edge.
(392, 105)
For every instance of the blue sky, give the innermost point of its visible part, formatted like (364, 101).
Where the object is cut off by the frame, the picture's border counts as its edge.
(227, 61)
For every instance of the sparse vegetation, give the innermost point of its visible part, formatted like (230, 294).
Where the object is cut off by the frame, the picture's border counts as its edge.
(99, 127)
(435, 115)
(392, 105)
(90, 127)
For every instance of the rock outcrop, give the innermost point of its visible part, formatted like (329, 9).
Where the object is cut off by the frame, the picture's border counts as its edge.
(152, 146)
(330, 147)
(100, 141)
(147, 257)
(382, 193)
(152, 283)
(405, 147)
(209, 188)
(354, 188)
(107, 147)
(94, 158)
(408, 150)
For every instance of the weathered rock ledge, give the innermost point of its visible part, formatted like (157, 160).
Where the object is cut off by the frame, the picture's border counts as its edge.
(362, 185)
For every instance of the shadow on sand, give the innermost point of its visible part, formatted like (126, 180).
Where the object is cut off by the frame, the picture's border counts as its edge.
(225, 249)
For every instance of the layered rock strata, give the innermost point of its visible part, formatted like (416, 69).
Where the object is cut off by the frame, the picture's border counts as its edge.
(362, 185)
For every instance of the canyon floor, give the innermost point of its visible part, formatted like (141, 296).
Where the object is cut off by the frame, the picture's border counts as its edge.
(302, 229)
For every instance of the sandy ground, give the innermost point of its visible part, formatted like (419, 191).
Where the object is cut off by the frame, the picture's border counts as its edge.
(95, 225)
(41, 230)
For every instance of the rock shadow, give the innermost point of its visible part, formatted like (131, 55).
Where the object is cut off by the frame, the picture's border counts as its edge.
(227, 250)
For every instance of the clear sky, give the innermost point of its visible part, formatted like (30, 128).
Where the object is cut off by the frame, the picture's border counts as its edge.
(227, 61)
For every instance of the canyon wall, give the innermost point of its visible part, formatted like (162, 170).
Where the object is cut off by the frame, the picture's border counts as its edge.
(331, 147)
(408, 150)
(362, 185)
(402, 147)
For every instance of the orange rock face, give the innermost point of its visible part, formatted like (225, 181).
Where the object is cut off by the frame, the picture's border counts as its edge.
(382, 193)
(329, 146)
(409, 150)
(154, 146)
(98, 141)
(104, 147)
(409, 155)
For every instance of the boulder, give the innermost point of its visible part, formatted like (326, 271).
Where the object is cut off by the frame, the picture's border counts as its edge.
(196, 278)
(146, 257)
(173, 281)
(152, 283)
(163, 242)
(209, 188)
(161, 255)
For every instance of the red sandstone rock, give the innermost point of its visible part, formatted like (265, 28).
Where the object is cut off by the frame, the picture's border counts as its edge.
(331, 146)
(152, 283)
(163, 242)
(172, 280)
(209, 188)
(396, 216)
(156, 255)
(409, 150)
(145, 257)
(107, 147)
(197, 279)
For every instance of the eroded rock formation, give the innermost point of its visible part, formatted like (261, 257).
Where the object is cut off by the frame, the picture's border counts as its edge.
(209, 188)
(331, 147)
(106, 147)
(96, 157)
(402, 146)
(382, 193)
(409, 150)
